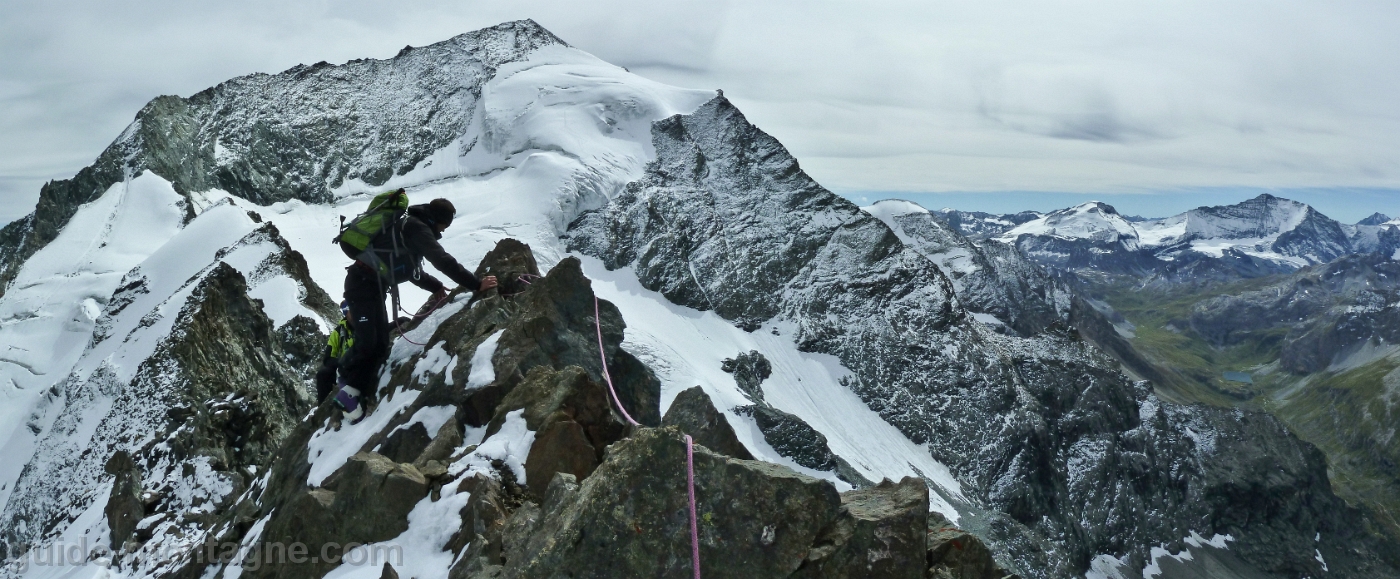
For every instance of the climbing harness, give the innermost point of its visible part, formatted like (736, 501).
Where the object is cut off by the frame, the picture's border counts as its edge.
(689, 446)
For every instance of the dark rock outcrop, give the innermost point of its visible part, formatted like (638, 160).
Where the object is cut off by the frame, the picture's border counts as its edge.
(694, 414)
(124, 508)
(750, 370)
(880, 532)
(630, 518)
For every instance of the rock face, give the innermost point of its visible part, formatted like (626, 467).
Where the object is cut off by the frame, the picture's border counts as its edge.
(724, 220)
(630, 519)
(1325, 311)
(542, 370)
(992, 278)
(294, 135)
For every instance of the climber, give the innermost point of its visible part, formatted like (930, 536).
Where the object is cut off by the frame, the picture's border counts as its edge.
(390, 255)
(337, 344)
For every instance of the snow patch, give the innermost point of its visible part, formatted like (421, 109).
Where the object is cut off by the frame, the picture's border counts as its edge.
(511, 445)
(431, 417)
(482, 371)
(329, 449)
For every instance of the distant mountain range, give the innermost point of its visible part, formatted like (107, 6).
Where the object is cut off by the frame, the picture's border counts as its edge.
(1261, 236)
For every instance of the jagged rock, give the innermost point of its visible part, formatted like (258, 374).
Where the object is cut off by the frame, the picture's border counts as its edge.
(513, 264)
(303, 343)
(630, 518)
(482, 517)
(571, 416)
(373, 496)
(366, 500)
(556, 329)
(791, 436)
(550, 325)
(560, 447)
(749, 370)
(388, 572)
(194, 447)
(124, 506)
(693, 414)
(880, 532)
(990, 278)
(406, 444)
(448, 438)
(956, 554)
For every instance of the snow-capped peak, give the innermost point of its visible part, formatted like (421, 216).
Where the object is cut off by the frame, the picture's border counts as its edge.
(1094, 221)
(891, 208)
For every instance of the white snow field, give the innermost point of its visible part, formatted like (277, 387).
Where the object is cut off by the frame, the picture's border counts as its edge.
(554, 135)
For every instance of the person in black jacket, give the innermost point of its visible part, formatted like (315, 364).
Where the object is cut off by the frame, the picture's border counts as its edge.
(365, 290)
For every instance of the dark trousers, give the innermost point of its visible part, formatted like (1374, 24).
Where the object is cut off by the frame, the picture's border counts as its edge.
(325, 377)
(369, 322)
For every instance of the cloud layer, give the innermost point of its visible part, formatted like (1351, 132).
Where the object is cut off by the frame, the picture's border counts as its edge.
(1060, 95)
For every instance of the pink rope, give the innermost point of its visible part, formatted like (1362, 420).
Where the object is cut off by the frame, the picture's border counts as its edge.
(598, 323)
(694, 527)
(689, 445)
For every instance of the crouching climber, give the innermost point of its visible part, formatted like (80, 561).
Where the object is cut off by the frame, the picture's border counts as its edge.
(337, 344)
(389, 243)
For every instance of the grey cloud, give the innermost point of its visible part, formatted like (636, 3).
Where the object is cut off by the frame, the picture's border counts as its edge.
(894, 96)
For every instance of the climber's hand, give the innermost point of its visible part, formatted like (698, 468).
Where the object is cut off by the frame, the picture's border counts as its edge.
(487, 283)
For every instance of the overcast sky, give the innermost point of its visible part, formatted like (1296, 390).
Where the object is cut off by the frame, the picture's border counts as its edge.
(1155, 107)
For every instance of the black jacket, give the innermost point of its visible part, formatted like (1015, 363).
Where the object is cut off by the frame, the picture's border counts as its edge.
(418, 241)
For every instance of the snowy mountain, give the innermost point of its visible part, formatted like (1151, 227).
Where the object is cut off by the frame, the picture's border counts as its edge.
(164, 309)
(1261, 236)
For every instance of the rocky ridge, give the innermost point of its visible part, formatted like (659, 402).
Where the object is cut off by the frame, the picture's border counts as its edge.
(535, 475)
(182, 432)
(1080, 468)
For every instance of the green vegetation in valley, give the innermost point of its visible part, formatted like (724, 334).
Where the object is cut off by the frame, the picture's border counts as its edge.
(1195, 367)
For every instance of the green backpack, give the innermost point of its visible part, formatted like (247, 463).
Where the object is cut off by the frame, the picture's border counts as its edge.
(385, 213)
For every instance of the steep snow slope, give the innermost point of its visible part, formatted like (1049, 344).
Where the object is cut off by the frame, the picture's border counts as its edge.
(55, 302)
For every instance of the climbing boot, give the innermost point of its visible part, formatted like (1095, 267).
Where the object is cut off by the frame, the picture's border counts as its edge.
(348, 399)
